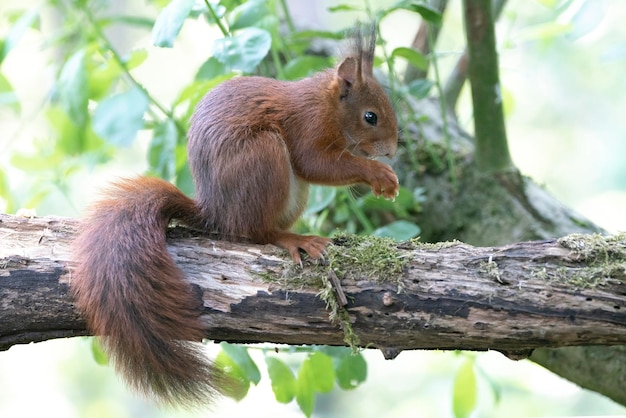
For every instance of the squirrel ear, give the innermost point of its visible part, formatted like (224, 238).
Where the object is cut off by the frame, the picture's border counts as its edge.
(348, 74)
(348, 70)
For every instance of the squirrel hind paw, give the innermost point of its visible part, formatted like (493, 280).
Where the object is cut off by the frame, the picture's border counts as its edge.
(313, 245)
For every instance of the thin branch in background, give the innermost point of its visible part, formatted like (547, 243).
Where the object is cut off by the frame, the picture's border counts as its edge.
(443, 107)
(287, 13)
(106, 47)
(426, 36)
(456, 80)
(491, 147)
(217, 19)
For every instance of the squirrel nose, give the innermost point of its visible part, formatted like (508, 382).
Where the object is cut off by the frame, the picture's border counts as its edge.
(392, 148)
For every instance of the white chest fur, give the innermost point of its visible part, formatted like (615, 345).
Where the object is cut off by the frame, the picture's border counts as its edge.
(298, 196)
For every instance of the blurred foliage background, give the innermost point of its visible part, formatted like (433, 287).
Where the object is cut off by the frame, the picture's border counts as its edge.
(562, 65)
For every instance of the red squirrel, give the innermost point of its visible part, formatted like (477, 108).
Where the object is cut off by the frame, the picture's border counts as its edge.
(254, 146)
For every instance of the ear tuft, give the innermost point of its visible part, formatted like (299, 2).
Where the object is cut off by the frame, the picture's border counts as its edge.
(361, 44)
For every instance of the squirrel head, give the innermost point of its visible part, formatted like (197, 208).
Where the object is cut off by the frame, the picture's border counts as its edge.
(364, 110)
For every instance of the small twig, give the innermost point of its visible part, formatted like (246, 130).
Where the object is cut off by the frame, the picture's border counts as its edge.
(217, 19)
(341, 296)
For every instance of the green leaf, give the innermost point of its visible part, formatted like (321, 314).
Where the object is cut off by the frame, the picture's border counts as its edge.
(136, 58)
(180, 153)
(4, 184)
(118, 118)
(350, 371)
(428, 13)
(586, 19)
(68, 134)
(240, 356)
(343, 8)
(551, 4)
(27, 20)
(98, 352)
(162, 149)
(248, 14)
(239, 384)
(101, 77)
(5, 193)
(414, 57)
(184, 180)
(464, 392)
(547, 32)
(33, 163)
(139, 21)
(211, 69)
(318, 34)
(404, 205)
(7, 95)
(304, 66)
(320, 197)
(398, 230)
(405, 200)
(169, 22)
(305, 393)
(508, 101)
(420, 88)
(323, 373)
(316, 374)
(71, 90)
(283, 380)
(244, 51)
(38, 194)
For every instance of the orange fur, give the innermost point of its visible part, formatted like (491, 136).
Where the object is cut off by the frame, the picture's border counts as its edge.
(254, 146)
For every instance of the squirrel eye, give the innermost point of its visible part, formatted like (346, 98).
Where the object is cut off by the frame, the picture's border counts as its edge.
(371, 118)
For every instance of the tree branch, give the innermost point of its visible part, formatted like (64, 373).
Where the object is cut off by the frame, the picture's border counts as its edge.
(450, 296)
(492, 151)
(456, 80)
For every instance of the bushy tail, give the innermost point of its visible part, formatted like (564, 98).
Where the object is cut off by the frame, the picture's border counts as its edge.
(134, 297)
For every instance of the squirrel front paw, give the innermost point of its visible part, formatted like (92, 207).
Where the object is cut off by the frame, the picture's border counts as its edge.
(384, 182)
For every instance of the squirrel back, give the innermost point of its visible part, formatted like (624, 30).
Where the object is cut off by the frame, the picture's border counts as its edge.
(254, 146)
